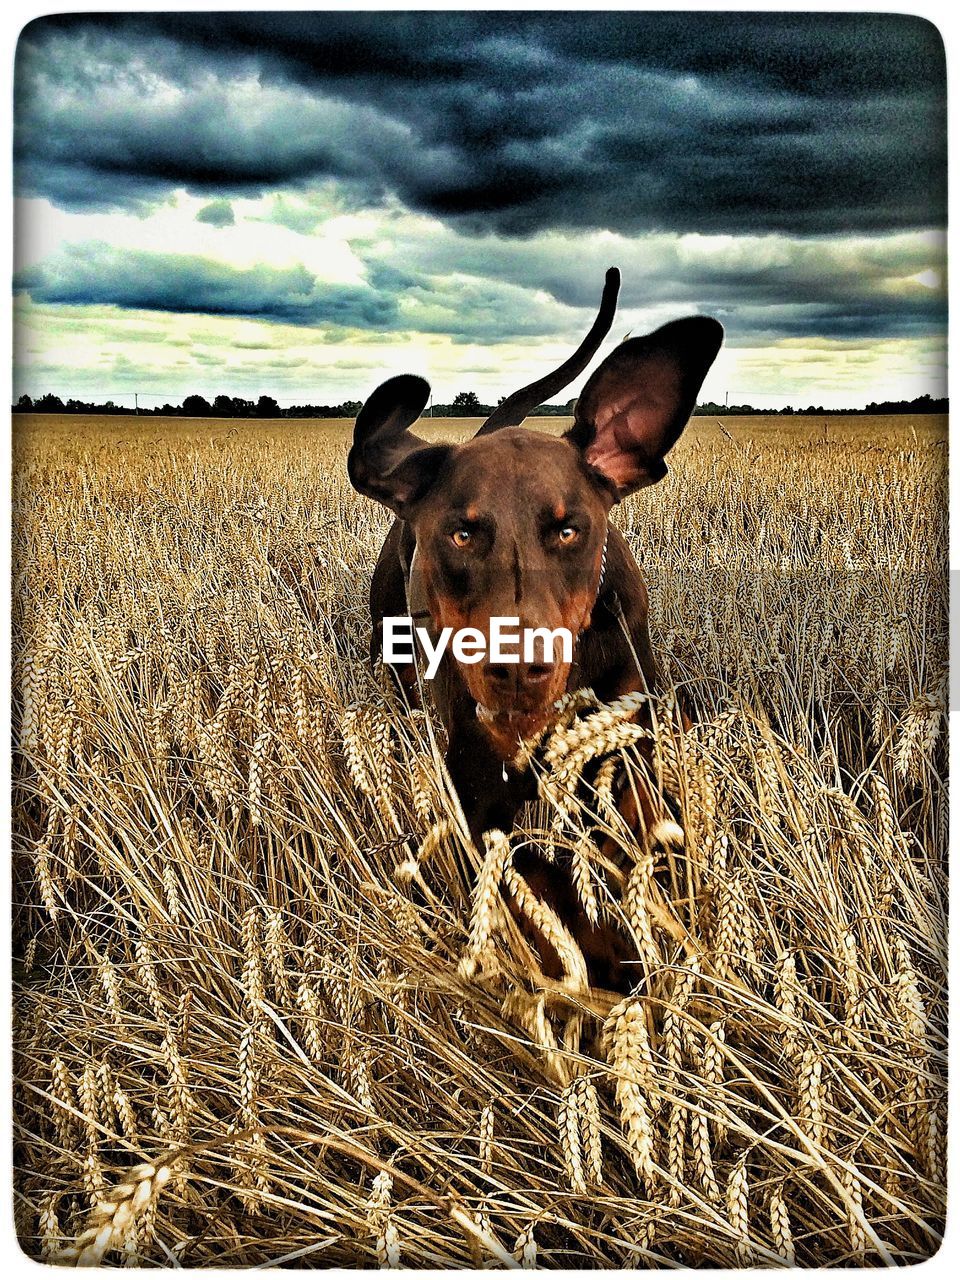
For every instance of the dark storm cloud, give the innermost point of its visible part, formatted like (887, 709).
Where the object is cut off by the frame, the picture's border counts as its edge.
(98, 274)
(516, 122)
(758, 301)
(95, 273)
(762, 288)
(666, 268)
(218, 213)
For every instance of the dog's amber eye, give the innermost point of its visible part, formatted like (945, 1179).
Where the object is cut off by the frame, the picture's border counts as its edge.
(568, 534)
(461, 537)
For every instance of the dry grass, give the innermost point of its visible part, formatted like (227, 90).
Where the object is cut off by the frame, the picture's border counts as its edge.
(259, 1019)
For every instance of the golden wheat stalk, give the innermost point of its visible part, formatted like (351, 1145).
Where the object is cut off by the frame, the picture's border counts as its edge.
(570, 1143)
(631, 1061)
(738, 1209)
(275, 947)
(116, 1215)
(549, 924)
(486, 901)
(525, 1248)
(780, 1226)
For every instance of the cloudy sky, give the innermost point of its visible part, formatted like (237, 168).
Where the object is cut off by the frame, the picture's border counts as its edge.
(302, 204)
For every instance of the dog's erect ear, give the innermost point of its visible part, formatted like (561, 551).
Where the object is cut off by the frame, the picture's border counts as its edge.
(635, 405)
(387, 461)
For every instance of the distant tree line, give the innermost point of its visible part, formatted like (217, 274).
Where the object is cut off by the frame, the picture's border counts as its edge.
(466, 404)
(922, 404)
(194, 407)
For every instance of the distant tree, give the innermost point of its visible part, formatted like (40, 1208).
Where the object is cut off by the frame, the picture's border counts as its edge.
(349, 408)
(196, 407)
(466, 404)
(49, 404)
(23, 405)
(224, 406)
(267, 407)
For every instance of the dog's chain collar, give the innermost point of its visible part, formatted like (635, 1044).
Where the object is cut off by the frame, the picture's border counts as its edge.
(603, 561)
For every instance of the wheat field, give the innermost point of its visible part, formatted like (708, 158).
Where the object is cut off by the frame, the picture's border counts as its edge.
(268, 1006)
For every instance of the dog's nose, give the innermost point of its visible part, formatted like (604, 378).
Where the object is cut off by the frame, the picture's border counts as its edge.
(537, 672)
(518, 675)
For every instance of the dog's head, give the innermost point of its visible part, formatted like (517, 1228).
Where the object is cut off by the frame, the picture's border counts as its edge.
(514, 522)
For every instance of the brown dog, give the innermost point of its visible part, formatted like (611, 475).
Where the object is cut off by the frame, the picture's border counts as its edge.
(514, 524)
